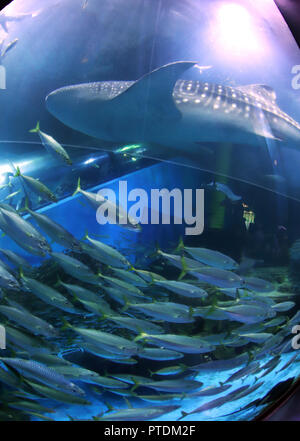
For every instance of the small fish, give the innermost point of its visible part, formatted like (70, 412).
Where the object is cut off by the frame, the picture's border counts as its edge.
(132, 379)
(29, 342)
(259, 337)
(218, 402)
(9, 377)
(121, 217)
(135, 325)
(140, 414)
(12, 195)
(223, 188)
(37, 371)
(180, 385)
(183, 263)
(58, 395)
(54, 230)
(36, 186)
(182, 288)
(258, 285)
(49, 295)
(107, 341)
(210, 257)
(52, 146)
(218, 277)
(123, 298)
(126, 288)
(171, 370)
(180, 343)
(75, 268)
(221, 365)
(130, 277)
(7, 280)
(9, 47)
(272, 363)
(283, 306)
(149, 276)
(29, 321)
(22, 232)
(14, 258)
(288, 363)
(103, 353)
(161, 398)
(245, 371)
(159, 354)
(80, 292)
(87, 376)
(107, 254)
(168, 311)
(209, 391)
(28, 405)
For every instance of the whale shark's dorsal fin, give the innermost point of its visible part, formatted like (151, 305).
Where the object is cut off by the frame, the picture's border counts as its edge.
(155, 90)
(260, 91)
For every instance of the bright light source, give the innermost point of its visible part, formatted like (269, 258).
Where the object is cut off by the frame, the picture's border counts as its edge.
(7, 168)
(90, 161)
(236, 31)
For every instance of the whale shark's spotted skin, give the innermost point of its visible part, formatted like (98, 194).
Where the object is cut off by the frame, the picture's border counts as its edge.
(162, 109)
(229, 100)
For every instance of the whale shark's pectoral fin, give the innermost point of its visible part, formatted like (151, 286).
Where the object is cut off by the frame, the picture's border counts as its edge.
(260, 91)
(154, 91)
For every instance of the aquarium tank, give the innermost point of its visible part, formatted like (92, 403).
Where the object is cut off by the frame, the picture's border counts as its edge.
(149, 210)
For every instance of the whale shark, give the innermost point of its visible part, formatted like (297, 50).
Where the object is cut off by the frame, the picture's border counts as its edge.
(162, 109)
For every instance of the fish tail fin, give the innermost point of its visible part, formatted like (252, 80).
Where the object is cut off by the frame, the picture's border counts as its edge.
(183, 415)
(18, 172)
(86, 234)
(184, 268)
(21, 273)
(180, 245)
(135, 386)
(191, 312)
(140, 336)
(221, 383)
(127, 304)
(58, 281)
(66, 324)
(25, 208)
(110, 408)
(156, 252)
(103, 316)
(151, 373)
(129, 405)
(132, 268)
(36, 129)
(78, 188)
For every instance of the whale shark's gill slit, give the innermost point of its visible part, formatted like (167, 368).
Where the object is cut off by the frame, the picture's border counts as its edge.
(167, 161)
